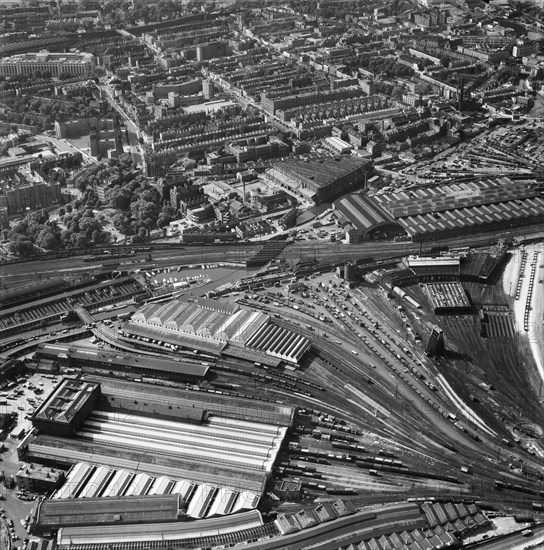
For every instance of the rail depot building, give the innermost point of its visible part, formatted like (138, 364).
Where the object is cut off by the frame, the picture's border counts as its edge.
(441, 212)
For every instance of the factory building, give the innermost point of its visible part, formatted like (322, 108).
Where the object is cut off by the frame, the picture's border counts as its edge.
(322, 179)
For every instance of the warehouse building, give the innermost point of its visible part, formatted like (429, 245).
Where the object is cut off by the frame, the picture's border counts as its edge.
(440, 268)
(322, 179)
(457, 209)
(212, 325)
(477, 267)
(203, 318)
(76, 64)
(279, 342)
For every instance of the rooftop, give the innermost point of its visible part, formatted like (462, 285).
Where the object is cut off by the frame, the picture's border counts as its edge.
(456, 196)
(127, 360)
(54, 513)
(66, 400)
(321, 172)
(363, 212)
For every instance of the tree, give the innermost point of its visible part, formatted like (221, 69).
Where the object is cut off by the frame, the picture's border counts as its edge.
(121, 222)
(20, 245)
(118, 198)
(48, 241)
(445, 60)
(81, 241)
(45, 109)
(423, 88)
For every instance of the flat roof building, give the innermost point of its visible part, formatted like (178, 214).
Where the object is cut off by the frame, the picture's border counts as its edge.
(77, 64)
(65, 410)
(38, 478)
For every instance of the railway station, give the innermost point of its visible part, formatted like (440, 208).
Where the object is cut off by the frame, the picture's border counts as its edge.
(320, 179)
(123, 440)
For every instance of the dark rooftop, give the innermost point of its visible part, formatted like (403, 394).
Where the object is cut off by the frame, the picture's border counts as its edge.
(66, 400)
(321, 172)
(55, 513)
(363, 212)
(456, 196)
(129, 360)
